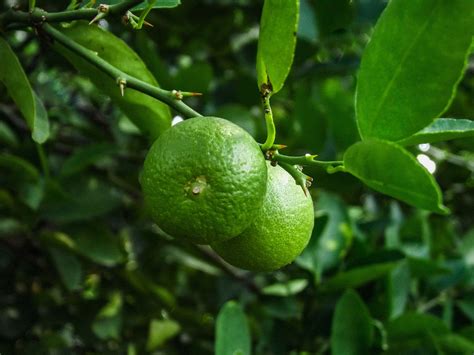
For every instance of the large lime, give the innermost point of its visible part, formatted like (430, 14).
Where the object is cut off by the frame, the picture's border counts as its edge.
(204, 179)
(280, 232)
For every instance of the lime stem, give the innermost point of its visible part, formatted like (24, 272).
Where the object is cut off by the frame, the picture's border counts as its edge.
(303, 160)
(271, 130)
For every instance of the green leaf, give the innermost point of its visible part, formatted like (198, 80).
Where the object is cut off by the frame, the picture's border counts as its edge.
(327, 249)
(108, 322)
(412, 331)
(289, 288)
(10, 226)
(399, 283)
(467, 307)
(389, 169)
(421, 268)
(455, 344)
(84, 157)
(337, 103)
(357, 277)
(232, 331)
(466, 248)
(160, 4)
(307, 23)
(15, 80)
(68, 266)
(97, 243)
(8, 136)
(277, 42)
(79, 199)
(160, 331)
(40, 130)
(195, 78)
(412, 65)
(18, 168)
(352, 330)
(442, 129)
(148, 114)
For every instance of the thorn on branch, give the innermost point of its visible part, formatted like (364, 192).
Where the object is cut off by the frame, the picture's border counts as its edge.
(122, 83)
(179, 95)
(279, 146)
(301, 179)
(102, 11)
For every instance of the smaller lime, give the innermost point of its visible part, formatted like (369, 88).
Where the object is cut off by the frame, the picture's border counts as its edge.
(281, 230)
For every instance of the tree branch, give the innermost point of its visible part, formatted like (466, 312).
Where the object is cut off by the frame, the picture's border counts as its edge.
(39, 16)
(171, 98)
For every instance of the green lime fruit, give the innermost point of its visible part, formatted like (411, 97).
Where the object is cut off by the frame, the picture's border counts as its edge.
(280, 232)
(203, 179)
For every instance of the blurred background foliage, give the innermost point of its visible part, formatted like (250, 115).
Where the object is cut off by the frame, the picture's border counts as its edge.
(84, 270)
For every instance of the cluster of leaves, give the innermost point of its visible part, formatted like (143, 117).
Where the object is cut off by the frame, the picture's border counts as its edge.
(83, 269)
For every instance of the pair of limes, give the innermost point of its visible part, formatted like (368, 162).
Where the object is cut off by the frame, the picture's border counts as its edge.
(205, 180)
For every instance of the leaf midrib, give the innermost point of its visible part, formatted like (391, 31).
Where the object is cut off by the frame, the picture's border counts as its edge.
(399, 68)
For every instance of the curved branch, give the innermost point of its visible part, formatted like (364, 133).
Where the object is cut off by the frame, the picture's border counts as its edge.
(171, 98)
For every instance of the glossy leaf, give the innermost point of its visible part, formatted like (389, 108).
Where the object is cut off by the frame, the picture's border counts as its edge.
(326, 250)
(414, 331)
(148, 114)
(8, 136)
(389, 169)
(442, 129)
(40, 129)
(232, 331)
(421, 268)
(277, 42)
(407, 77)
(286, 289)
(307, 23)
(108, 322)
(467, 307)
(84, 157)
(79, 199)
(337, 103)
(18, 168)
(160, 331)
(455, 344)
(160, 4)
(68, 266)
(15, 80)
(357, 276)
(399, 283)
(97, 243)
(352, 330)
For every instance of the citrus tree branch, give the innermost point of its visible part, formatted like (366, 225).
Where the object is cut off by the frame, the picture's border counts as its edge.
(123, 80)
(307, 159)
(301, 179)
(39, 16)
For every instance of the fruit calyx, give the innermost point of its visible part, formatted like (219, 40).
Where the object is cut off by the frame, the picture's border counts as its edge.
(196, 186)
